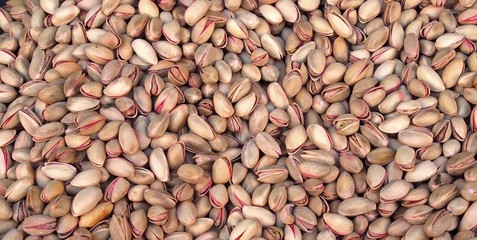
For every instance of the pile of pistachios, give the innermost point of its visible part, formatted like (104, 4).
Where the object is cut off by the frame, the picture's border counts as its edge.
(238, 119)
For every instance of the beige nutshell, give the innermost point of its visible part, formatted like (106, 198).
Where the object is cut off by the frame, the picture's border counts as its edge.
(253, 119)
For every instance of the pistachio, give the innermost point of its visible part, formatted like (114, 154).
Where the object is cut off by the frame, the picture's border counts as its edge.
(356, 206)
(85, 200)
(337, 223)
(208, 119)
(39, 225)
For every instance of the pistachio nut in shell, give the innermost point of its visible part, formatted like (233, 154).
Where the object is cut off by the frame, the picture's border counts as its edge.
(86, 200)
(337, 223)
(39, 225)
(338, 120)
(356, 206)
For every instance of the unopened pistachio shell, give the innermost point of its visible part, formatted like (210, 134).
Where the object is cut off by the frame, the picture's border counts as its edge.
(356, 206)
(209, 119)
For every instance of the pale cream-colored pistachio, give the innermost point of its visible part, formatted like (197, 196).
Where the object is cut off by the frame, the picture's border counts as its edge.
(218, 195)
(85, 200)
(201, 226)
(172, 31)
(311, 169)
(99, 54)
(272, 174)
(306, 219)
(321, 25)
(458, 206)
(424, 136)
(59, 171)
(292, 232)
(196, 11)
(64, 15)
(149, 8)
(13, 234)
(203, 30)
(246, 105)
(356, 206)
(47, 131)
(466, 222)
(468, 191)
(430, 77)
(160, 198)
(159, 165)
(107, 7)
(18, 189)
(87, 178)
(158, 125)
(337, 223)
(200, 127)
(378, 227)
(395, 124)
(187, 213)
(120, 228)
(426, 117)
(139, 222)
(213, 102)
(399, 227)
(7, 136)
(265, 217)
(331, 74)
(272, 46)
(295, 138)
(7, 94)
(277, 198)
(289, 10)
(277, 95)
(351, 163)
(345, 186)
(267, 144)
(271, 14)
(128, 139)
(421, 172)
(319, 136)
(416, 197)
(451, 40)
(318, 156)
(167, 51)
(405, 158)
(7, 56)
(157, 214)
(6, 210)
(340, 24)
(408, 107)
(260, 195)
(119, 167)
(389, 193)
(246, 229)
(302, 53)
(368, 11)
(145, 51)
